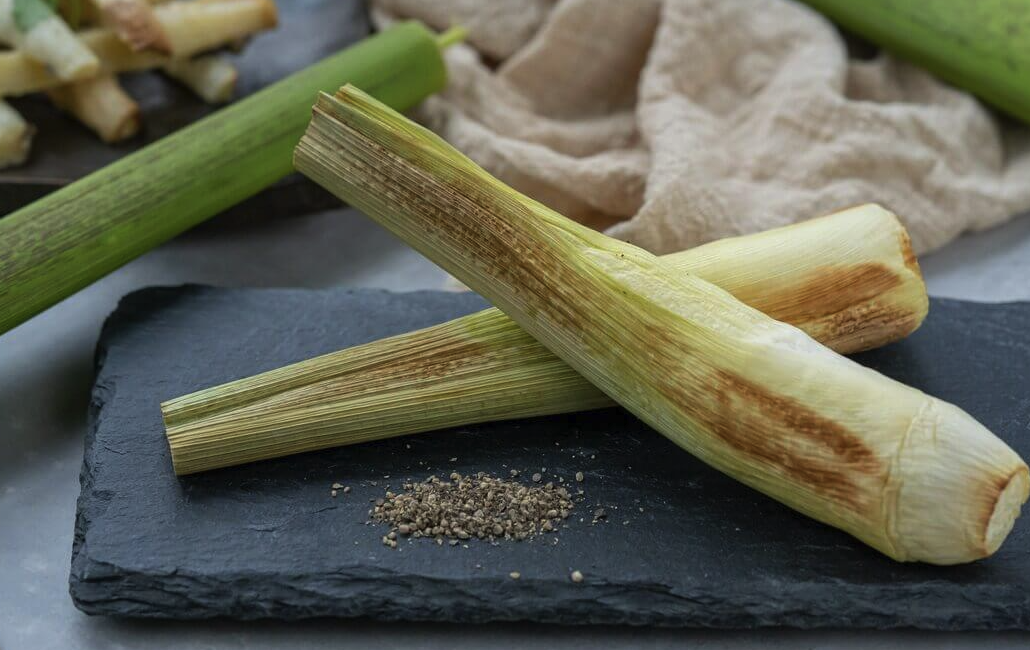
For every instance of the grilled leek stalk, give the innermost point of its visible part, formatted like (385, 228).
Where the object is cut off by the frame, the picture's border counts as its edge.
(910, 475)
(849, 280)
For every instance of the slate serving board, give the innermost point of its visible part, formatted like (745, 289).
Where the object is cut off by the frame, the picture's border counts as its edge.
(267, 540)
(64, 150)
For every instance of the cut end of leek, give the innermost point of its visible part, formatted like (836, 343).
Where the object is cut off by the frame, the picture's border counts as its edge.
(1006, 510)
(452, 36)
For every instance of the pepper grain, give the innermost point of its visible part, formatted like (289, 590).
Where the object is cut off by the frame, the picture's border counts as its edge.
(480, 506)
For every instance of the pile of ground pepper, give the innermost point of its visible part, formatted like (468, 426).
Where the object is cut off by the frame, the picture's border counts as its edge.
(476, 506)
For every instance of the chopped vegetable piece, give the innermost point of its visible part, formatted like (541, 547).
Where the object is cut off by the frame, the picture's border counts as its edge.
(40, 35)
(212, 78)
(15, 136)
(102, 105)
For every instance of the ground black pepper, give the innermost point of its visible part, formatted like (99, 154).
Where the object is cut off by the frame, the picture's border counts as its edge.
(475, 506)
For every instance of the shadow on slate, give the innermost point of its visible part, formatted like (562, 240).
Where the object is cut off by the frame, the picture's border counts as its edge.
(683, 544)
(64, 151)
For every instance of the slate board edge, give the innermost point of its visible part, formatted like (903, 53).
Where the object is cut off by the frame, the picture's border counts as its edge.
(99, 588)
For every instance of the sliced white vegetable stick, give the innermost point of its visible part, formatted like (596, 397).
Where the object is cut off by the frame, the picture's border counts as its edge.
(136, 24)
(102, 105)
(35, 30)
(212, 78)
(192, 27)
(15, 136)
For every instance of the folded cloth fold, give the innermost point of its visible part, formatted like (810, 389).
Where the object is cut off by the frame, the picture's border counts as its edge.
(673, 123)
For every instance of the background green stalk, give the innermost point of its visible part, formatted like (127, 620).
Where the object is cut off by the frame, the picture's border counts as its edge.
(980, 45)
(76, 235)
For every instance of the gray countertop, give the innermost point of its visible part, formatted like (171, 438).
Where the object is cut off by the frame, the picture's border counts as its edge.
(45, 375)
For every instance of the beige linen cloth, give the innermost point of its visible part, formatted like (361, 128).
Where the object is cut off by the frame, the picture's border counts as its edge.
(673, 123)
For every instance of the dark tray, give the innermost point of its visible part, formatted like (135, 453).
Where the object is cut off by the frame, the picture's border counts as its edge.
(267, 540)
(64, 150)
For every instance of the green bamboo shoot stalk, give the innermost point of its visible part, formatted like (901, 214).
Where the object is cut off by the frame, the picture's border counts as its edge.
(978, 45)
(910, 475)
(849, 280)
(70, 238)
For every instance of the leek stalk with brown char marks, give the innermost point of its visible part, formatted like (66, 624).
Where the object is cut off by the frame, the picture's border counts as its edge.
(849, 280)
(908, 474)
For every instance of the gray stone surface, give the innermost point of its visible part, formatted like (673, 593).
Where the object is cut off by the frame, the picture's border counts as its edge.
(46, 370)
(267, 540)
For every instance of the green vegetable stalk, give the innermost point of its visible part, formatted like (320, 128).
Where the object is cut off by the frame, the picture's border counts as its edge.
(979, 45)
(76, 235)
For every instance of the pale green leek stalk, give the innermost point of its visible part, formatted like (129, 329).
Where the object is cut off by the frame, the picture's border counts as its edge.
(979, 45)
(849, 280)
(910, 475)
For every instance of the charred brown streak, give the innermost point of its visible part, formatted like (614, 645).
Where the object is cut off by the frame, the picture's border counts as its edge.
(831, 290)
(436, 363)
(475, 224)
(908, 254)
(850, 330)
(772, 437)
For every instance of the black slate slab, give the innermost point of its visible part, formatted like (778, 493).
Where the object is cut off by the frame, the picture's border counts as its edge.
(64, 151)
(683, 545)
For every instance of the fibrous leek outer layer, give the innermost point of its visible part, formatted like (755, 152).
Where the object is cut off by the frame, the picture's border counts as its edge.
(848, 279)
(908, 474)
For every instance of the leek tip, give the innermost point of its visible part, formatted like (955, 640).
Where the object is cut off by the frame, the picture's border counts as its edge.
(452, 36)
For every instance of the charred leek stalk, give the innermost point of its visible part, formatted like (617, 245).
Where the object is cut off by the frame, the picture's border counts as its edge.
(849, 280)
(910, 475)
